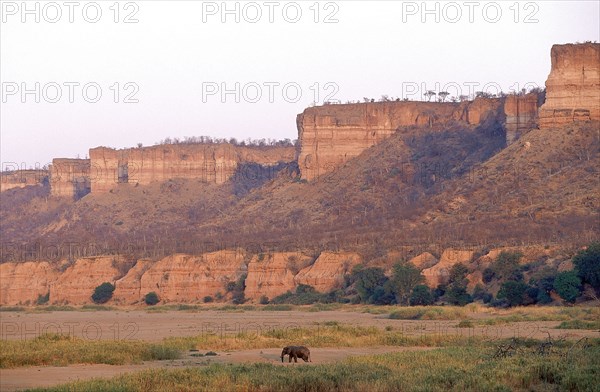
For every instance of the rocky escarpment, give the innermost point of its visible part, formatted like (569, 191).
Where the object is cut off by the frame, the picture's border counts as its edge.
(573, 86)
(179, 278)
(21, 178)
(211, 163)
(521, 114)
(331, 135)
(70, 177)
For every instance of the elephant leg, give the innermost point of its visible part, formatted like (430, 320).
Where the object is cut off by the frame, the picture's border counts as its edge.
(295, 359)
(290, 361)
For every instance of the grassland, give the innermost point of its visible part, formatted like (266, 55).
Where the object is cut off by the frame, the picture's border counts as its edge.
(455, 368)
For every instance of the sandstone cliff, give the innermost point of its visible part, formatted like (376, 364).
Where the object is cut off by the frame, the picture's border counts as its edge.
(212, 163)
(185, 278)
(70, 177)
(273, 274)
(23, 283)
(22, 178)
(328, 271)
(521, 115)
(76, 285)
(331, 135)
(573, 86)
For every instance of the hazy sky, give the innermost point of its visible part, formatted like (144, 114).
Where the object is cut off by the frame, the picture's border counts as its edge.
(168, 70)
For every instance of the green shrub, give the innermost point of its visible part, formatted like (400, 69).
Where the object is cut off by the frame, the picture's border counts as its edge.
(568, 285)
(421, 295)
(587, 263)
(208, 299)
(151, 298)
(264, 300)
(513, 292)
(103, 293)
(43, 299)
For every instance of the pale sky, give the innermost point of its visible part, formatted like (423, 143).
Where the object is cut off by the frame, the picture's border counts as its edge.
(175, 60)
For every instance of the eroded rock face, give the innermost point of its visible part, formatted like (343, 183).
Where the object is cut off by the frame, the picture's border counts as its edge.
(573, 86)
(273, 274)
(77, 284)
(521, 115)
(70, 177)
(330, 135)
(21, 178)
(424, 260)
(128, 288)
(212, 163)
(22, 283)
(440, 272)
(328, 271)
(186, 278)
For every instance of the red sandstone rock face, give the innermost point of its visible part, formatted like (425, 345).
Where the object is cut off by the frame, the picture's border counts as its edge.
(69, 177)
(76, 285)
(573, 86)
(273, 274)
(213, 163)
(185, 278)
(521, 115)
(331, 135)
(328, 271)
(128, 288)
(22, 283)
(20, 178)
(440, 272)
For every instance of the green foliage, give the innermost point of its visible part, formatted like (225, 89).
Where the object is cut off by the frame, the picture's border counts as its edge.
(457, 295)
(488, 275)
(207, 299)
(587, 263)
(366, 280)
(568, 285)
(151, 298)
(421, 295)
(103, 293)
(238, 295)
(458, 275)
(506, 267)
(382, 295)
(304, 295)
(405, 277)
(264, 300)
(43, 299)
(513, 292)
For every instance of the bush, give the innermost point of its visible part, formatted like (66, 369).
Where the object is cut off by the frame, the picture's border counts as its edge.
(264, 300)
(513, 292)
(103, 293)
(568, 285)
(43, 299)
(587, 263)
(457, 295)
(488, 275)
(207, 299)
(421, 295)
(151, 298)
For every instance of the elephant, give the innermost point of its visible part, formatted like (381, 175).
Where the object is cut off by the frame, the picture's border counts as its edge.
(296, 352)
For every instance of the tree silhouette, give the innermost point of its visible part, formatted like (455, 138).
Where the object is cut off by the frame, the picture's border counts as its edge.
(429, 94)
